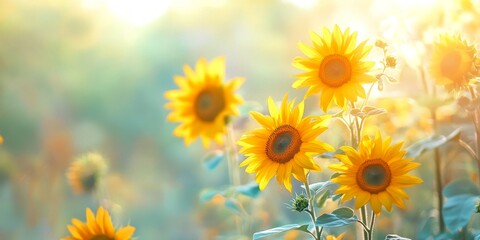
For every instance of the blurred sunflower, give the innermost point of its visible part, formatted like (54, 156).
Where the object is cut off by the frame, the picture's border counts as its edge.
(452, 62)
(1, 139)
(376, 173)
(331, 237)
(284, 145)
(203, 103)
(335, 67)
(98, 228)
(85, 172)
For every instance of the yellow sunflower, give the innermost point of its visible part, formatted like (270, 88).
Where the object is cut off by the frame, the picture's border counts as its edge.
(452, 62)
(284, 144)
(332, 237)
(335, 66)
(204, 102)
(376, 173)
(1, 139)
(98, 228)
(85, 172)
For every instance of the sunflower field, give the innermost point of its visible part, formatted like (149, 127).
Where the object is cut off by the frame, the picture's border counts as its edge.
(235, 120)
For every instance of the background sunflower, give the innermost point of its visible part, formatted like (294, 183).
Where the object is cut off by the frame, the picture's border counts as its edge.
(99, 227)
(203, 103)
(335, 66)
(452, 62)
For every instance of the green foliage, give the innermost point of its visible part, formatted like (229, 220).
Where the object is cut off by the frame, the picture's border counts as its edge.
(395, 237)
(233, 204)
(431, 143)
(212, 160)
(251, 190)
(462, 196)
(321, 187)
(339, 217)
(284, 228)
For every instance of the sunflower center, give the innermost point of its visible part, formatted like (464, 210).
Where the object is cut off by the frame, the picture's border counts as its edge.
(101, 237)
(374, 176)
(89, 182)
(283, 143)
(450, 64)
(209, 104)
(335, 70)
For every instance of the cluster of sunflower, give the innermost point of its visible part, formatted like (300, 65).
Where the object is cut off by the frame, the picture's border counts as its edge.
(372, 170)
(85, 176)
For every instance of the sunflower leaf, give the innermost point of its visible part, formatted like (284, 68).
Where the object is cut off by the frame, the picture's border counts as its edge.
(284, 228)
(233, 205)
(395, 237)
(458, 210)
(251, 190)
(339, 217)
(212, 160)
(320, 187)
(430, 143)
(460, 186)
(207, 194)
(322, 199)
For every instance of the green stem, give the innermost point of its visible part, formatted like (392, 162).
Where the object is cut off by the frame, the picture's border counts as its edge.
(232, 162)
(476, 123)
(372, 225)
(363, 215)
(312, 209)
(232, 158)
(438, 176)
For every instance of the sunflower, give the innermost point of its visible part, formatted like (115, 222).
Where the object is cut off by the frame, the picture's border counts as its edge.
(203, 103)
(376, 173)
(332, 237)
(85, 172)
(98, 228)
(335, 67)
(284, 144)
(1, 139)
(452, 62)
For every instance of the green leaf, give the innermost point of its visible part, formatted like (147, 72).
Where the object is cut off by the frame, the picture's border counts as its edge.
(320, 187)
(427, 229)
(458, 210)
(208, 194)
(460, 186)
(339, 217)
(395, 237)
(322, 199)
(212, 160)
(232, 204)
(284, 228)
(251, 190)
(430, 143)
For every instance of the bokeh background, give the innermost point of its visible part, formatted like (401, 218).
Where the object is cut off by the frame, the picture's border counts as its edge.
(89, 75)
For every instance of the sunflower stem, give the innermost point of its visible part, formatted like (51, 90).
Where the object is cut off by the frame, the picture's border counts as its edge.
(231, 153)
(438, 175)
(476, 123)
(372, 226)
(232, 162)
(312, 209)
(363, 215)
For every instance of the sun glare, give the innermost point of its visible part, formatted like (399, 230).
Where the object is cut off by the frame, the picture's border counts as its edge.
(139, 12)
